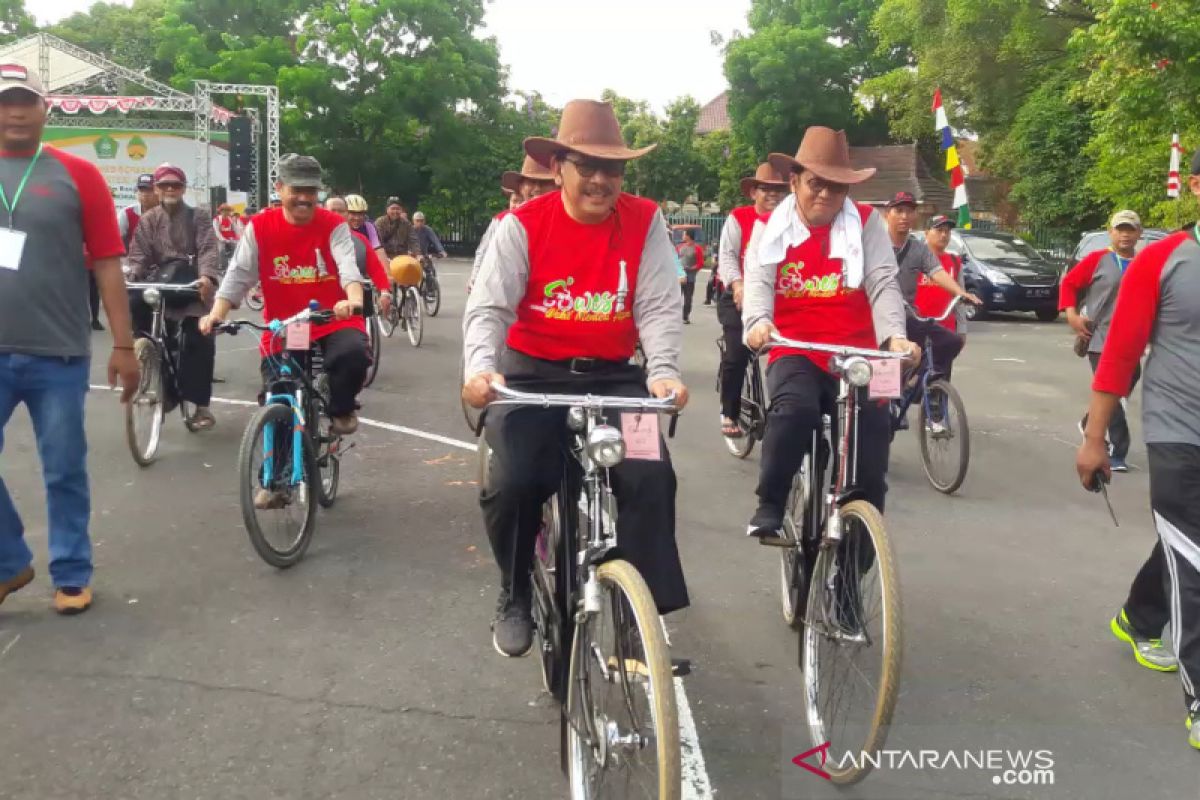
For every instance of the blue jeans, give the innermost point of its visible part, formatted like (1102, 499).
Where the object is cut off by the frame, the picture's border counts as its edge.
(53, 389)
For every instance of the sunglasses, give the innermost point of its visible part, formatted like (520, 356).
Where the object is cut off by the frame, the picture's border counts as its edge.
(819, 185)
(588, 167)
(169, 185)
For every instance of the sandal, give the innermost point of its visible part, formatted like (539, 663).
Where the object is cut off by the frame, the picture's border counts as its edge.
(202, 420)
(730, 429)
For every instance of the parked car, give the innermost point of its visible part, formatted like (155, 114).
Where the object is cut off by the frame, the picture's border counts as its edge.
(1007, 274)
(1092, 241)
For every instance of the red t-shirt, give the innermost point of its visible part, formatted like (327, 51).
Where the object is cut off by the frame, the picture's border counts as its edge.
(228, 231)
(296, 265)
(812, 302)
(931, 299)
(375, 269)
(582, 280)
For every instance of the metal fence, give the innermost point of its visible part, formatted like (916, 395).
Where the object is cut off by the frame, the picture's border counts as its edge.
(710, 225)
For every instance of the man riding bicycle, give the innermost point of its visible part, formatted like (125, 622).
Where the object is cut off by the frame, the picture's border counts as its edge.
(356, 215)
(820, 270)
(175, 243)
(300, 253)
(568, 284)
(532, 181)
(370, 265)
(427, 238)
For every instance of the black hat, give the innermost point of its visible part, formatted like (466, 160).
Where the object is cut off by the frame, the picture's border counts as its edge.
(392, 201)
(940, 220)
(902, 199)
(145, 181)
(303, 172)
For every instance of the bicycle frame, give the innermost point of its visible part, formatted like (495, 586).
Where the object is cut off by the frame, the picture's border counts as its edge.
(924, 368)
(158, 322)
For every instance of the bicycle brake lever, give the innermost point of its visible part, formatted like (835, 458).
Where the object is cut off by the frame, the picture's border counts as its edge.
(671, 426)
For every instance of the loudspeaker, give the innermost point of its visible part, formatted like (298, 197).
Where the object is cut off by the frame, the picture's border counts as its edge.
(240, 148)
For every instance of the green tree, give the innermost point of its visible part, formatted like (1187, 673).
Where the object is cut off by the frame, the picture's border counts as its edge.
(127, 35)
(15, 21)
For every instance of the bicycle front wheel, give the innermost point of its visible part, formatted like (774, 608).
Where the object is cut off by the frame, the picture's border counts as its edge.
(254, 298)
(279, 490)
(622, 725)
(433, 295)
(375, 341)
(852, 643)
(145, 411)
(411, 315)
(391, 320)
(945, 436)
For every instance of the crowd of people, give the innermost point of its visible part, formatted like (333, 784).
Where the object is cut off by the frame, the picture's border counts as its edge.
(567, 284)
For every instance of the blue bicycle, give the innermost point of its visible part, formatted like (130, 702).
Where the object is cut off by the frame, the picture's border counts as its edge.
(289, 456)
(942, 429)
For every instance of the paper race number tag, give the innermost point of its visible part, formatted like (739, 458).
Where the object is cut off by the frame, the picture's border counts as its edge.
(885, 379)
(299, 336)
(640, 432)
(12, 245)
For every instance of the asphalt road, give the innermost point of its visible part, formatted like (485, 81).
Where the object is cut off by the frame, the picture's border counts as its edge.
(367, 671)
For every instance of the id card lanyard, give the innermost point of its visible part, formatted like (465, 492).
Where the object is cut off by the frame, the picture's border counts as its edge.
(12, 207)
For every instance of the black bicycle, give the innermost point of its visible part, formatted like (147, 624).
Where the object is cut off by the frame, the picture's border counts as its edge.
(602, 648)
(431, 290)
(158, 359)
(752, 420)
(840, 588)
(374, 336)
(942, 429)
(289, 455)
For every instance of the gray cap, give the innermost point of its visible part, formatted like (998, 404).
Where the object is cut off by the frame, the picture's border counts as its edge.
(17, 76)
(1126, 217)
(302, 172)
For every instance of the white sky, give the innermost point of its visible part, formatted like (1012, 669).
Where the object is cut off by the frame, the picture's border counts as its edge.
(654, 50)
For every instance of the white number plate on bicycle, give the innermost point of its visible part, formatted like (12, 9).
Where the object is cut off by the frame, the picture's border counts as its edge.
(640, 432)
(885, 379)
(299, 336)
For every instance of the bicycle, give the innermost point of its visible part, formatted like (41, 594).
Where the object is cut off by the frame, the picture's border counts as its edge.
(752, 420)
(618, 717)
(254, 298)
(374, 336)
(158, 359)
(942, 429)
(836, 556)
(404, 314)
(431, 290)
(288, 449)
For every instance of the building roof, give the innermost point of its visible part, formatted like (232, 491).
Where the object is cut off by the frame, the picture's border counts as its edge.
(714, 115)
(899, 169)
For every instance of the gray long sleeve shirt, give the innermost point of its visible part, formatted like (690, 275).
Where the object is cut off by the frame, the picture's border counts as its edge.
(242, 273)
(481, 250)
(879, 281)
(729, 252)
(502, 282)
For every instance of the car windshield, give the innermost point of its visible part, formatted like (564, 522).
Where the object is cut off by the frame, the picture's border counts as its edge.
(1099, 240)
(987, 248)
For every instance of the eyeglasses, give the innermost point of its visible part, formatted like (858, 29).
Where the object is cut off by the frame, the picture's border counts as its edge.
(818, 185)
(588, 167)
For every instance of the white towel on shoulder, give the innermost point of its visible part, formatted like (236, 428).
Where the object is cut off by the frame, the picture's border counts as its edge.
(785, 229)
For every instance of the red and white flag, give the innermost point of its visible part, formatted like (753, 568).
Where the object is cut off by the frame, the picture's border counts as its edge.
(1173, 175)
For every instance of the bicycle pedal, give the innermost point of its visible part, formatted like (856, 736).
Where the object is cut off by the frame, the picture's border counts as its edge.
(775, 541)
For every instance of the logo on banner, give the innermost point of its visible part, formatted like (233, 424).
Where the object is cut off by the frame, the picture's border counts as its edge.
(136, 149)
(106, 147)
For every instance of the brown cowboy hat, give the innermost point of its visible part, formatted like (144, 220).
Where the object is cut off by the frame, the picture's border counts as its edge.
(530, 171)
(767, 177)
(826, 154)
(589, 128)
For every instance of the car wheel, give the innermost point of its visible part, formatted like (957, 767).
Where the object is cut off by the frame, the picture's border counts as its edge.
(1047, 314)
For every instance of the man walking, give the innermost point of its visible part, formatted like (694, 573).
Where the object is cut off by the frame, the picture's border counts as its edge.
(1088, 294)
(1158, 304)
(397, 234)
(52, 206)
(691, 256)
(175, 236)
(766, 188)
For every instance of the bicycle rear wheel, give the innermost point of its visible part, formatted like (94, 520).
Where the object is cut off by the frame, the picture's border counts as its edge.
(432, 295)
(391, 320)
(547, 622)
(793, 577)
(375, 341)
(411, 313)
(329, 456)
(622, 725)
(852, 643)
(145, 411)
(282, 531)
(748, 421)
(945, 436)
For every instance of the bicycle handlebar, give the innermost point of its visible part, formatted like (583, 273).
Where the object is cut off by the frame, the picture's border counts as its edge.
(514, 397)
(833, 349)
(277, 326)
(945, 314)
(165, 287)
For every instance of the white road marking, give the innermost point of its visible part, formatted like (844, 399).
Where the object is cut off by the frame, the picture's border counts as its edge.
(696, 783)
(1011, 360)
(9, 646)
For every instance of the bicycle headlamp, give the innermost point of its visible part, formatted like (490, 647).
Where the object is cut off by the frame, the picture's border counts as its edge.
(857, 371)
(152, 297)
(606, 446)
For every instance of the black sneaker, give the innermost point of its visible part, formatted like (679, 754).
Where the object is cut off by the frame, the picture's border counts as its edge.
(96, 326)
(766, 524)
(512, 629)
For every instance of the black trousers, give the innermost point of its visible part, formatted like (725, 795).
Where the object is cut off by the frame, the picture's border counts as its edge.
(689, 289)
(735, 358)
(946, 343)
(710, 291)
(800, 393)
(1118, 426)
(1146, 606)
(197, 356)
(529, 455)
(346, 358)
(93, 296)
(1175, 501)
